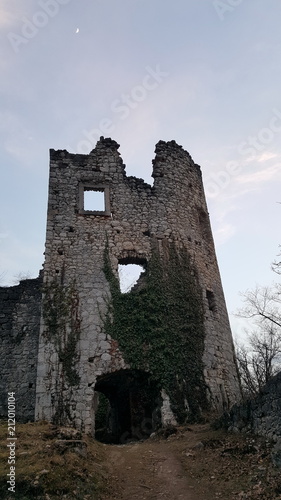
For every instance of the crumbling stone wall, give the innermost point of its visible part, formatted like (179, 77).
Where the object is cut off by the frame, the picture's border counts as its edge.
(260, 415)
(150, 225)
(19, 335)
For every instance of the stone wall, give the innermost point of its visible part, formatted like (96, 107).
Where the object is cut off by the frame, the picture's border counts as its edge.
(138, 224)
(261, 415)
(19, 336)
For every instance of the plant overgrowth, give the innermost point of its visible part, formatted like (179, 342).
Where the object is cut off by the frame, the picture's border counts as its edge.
(159, 327)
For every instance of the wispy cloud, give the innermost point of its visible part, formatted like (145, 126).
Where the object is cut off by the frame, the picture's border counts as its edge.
(260, 158)
(265, 175)
(250, 181)
(266, 156)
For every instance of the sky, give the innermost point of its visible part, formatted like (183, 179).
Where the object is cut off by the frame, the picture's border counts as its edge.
(204, 73)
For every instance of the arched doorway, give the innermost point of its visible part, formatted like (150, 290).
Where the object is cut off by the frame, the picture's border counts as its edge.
(128, 406)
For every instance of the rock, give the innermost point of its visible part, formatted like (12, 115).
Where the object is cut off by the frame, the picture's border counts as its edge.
(68, 433)
(78, 446)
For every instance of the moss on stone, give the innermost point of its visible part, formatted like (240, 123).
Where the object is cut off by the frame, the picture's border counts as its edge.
(160, 329)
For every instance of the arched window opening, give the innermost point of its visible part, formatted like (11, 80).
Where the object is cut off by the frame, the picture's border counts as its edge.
(129, 276)
(131, 273)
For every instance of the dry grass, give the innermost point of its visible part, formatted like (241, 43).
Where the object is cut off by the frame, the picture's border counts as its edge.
(47, 469)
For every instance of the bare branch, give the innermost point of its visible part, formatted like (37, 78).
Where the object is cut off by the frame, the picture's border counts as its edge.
(262, 303)
(276, 265)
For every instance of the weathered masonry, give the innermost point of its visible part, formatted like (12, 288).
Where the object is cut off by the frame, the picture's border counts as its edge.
(161, 352)
(19, 337)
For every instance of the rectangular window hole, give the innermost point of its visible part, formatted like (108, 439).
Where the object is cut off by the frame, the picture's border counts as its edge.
(94, 200)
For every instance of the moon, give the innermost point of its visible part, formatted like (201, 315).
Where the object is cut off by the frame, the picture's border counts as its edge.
(77, 30)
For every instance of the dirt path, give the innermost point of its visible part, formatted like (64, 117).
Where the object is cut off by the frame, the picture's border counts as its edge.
(194, 463)
(151, 470)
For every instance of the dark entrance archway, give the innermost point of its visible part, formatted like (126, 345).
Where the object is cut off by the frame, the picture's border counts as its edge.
(133, 409)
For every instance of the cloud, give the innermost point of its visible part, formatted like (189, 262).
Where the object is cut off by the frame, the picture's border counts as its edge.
(268, 174)
(233, 197)
(266, 156)
(263, 157)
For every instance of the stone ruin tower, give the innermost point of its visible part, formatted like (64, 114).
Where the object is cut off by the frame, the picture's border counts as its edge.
(160, 353)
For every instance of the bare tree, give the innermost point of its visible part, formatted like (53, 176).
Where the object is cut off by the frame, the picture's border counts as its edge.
(261, 359)
(245, 362)
(263, 304)
(276, 265)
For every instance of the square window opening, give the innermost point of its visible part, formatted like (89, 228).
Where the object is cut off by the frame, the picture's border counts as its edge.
(94, 200)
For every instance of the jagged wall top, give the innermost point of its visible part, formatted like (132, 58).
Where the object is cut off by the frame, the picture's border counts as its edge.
(167, 155)
(171, 152)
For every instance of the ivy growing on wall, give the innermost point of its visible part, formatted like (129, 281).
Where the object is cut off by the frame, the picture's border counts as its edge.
(160, 328)
(61, 316)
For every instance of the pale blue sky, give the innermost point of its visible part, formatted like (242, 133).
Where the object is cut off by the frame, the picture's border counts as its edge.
(205, 73)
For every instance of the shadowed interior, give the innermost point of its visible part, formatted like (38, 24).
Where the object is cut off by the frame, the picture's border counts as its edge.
(130, 409)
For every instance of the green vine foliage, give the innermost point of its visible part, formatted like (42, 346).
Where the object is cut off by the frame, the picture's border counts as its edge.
(61, 316)
(160, 329)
